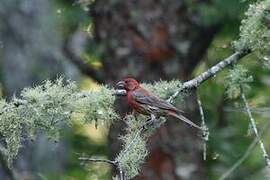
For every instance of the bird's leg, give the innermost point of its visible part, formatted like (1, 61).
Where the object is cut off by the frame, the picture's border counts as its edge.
(150, 120)
(144, 125)
(135, 114)
(153, 117)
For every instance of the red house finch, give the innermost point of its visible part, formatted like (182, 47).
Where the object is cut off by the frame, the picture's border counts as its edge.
(144, 102)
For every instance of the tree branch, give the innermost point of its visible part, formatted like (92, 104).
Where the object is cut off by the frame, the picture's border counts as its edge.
(204, 127)
(98, 160)
(197, 81)
(116, 162)
(120, 92)
(194, 83)
(254, 127)
(245, 155)
(10, 172)
(143, 127)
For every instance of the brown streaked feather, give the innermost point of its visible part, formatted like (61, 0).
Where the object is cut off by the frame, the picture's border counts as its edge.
(151, 104)
(142, 96)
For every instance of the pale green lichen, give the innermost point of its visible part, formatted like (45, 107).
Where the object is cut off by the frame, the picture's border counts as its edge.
(98, 106)
(134, 149)
(238, 79)
(10, 131)
(164, 89)
(47, 108)
(134, 152)
(255, 30)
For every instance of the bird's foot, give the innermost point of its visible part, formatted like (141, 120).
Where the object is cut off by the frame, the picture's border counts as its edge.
(149, 121)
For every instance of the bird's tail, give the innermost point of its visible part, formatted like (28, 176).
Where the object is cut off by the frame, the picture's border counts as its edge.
(186, 120)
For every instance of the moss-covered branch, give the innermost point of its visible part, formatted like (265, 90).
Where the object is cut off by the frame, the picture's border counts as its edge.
(49, 106)
(46, 108)
(255, 130)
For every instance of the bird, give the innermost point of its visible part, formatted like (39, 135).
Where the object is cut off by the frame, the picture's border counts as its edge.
(146, 103)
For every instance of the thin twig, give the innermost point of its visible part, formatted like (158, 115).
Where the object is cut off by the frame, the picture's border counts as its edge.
(120, 92)
(204, 127)
(148, 122)
(98, 160)
(122, 176)
(245, 155)
(194, 83)
(133, 140)
(115, 162)
(197, 81)
(143, 127)
(254, 127)
(6, 170)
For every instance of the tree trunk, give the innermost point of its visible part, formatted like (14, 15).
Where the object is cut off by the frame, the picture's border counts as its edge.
(153, 40)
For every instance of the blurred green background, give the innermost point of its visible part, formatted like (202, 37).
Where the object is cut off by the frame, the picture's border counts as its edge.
(101, 41)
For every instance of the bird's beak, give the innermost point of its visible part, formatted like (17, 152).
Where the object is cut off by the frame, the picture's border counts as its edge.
(121, 84)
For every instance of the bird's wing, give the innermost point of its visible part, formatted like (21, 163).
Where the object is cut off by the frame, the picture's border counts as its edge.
(142, 96)
(152, 102)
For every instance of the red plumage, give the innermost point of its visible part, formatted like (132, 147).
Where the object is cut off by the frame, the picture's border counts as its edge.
(146, 103)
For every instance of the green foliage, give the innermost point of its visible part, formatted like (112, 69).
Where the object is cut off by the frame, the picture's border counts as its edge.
(255, 31)
(236, 80)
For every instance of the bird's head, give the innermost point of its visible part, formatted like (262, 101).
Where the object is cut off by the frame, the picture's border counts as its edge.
(129, 84)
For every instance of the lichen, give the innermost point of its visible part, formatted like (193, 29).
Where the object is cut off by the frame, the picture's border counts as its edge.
(238, 79)
(255, 31)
